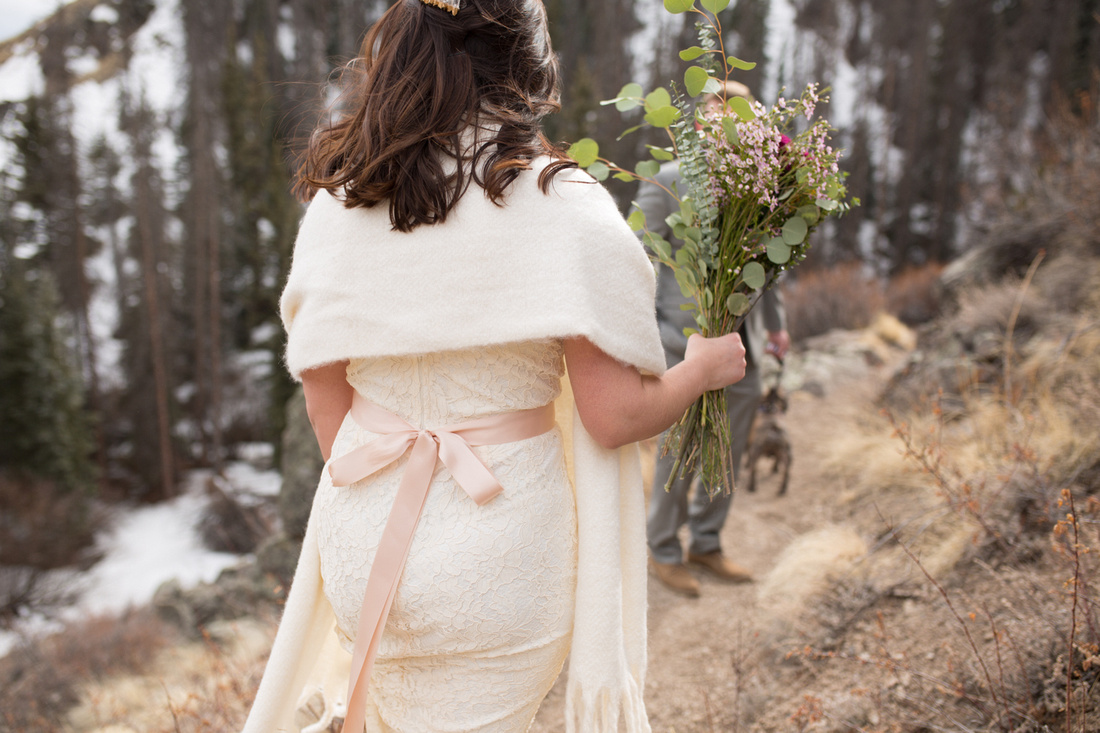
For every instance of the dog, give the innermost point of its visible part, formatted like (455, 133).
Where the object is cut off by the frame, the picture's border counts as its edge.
(768, 439)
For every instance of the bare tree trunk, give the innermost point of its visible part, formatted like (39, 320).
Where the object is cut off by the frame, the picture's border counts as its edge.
(215, 332)
(156, 343)
(205, 25)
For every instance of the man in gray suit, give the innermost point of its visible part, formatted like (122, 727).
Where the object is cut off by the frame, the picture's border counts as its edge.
(764, 331)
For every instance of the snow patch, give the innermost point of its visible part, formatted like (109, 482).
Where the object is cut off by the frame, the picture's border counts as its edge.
(104, 14)
(148, 546)
(21, 76)
(145, 546)
(80, 62)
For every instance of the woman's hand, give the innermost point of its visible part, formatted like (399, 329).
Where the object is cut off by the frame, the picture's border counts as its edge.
(722, 359)
(620, 405)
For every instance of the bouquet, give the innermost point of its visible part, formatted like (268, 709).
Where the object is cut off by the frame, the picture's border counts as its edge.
(754, 188)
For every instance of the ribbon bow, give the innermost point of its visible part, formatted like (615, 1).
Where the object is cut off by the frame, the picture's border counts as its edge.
(453, 446)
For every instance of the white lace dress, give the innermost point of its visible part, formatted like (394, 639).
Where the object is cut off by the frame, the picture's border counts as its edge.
(482, 619)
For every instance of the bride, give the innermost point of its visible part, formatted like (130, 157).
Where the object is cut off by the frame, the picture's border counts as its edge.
(453, 267)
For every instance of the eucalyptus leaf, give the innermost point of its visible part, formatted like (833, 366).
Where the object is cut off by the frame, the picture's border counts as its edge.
(695, 78)
(810, 213)
(715, 6)
(662, 117)
(779, 251)
(636, 220)
(684, 283)
(713, 86)
(585, 151)
(625, 176)
(658, 244)
(599, 170)
(679, 6)
(737, 303)
(742, 109)
(753, 274)
(633, 90)
(690, 54)
(687, 306)
(660, 153)
(647, 168)
(708, 297)
(657, 99)
(687, 209)
(729, 126)
(795, 230)
(689, 331)
(739, 64)
(628, 98)
(701, 321)
(629, 130)
(827, 204)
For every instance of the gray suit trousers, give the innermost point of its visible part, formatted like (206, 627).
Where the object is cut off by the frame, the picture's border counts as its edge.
(705, 517)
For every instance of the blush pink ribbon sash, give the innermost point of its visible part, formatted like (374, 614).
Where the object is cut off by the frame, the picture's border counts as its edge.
(451, 445)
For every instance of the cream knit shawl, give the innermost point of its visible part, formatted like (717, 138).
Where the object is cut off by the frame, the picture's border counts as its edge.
(541, 266)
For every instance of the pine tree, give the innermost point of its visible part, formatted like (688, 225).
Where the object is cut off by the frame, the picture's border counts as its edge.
(44, 428)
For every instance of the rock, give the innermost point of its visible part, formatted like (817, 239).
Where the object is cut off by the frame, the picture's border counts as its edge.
(1010, 248)
(171, 605)
(278, 556)
(228, 525)
(239, 591)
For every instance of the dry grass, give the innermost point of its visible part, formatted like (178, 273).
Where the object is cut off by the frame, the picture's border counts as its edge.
(40, 681)
(990, 515)
(190, 687)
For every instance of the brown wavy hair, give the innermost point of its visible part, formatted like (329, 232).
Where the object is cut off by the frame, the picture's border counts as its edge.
(424, 80)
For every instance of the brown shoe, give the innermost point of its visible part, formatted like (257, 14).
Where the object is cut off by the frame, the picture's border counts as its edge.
(722, 566)
(676, 577)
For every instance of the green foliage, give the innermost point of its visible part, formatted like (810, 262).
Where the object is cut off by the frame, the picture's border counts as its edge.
(585, 151)
(44, 428)
(679, 6)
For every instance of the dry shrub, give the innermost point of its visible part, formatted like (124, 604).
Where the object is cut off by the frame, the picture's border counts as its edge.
(206, 685)
(913, 295)
(837, 297)
(40, 680)
(42, 527)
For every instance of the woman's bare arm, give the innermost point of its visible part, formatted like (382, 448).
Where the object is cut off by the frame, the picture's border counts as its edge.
(619, 405)
(328, 399)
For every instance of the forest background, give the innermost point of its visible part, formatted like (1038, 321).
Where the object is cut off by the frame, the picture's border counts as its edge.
(146, 224)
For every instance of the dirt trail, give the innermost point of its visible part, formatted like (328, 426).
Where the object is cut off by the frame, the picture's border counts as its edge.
(707, 671)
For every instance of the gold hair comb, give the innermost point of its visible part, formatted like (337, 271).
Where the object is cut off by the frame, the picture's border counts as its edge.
(451, 6)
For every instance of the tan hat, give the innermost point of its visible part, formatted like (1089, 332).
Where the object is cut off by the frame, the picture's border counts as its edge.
(730, 89)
